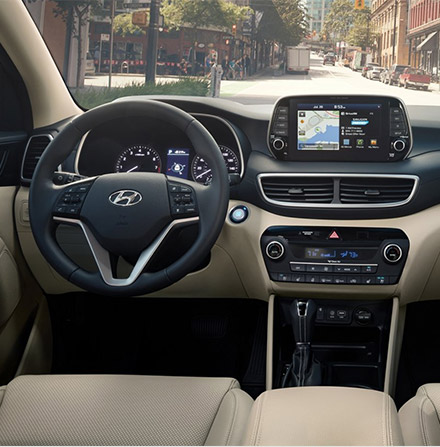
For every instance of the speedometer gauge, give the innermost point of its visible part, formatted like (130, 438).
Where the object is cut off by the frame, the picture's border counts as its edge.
(201, 171)
(139, 158)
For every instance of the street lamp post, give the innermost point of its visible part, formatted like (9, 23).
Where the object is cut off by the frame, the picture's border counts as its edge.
(394, 32)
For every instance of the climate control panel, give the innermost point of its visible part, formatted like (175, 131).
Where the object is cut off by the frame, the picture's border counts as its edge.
(327, 255)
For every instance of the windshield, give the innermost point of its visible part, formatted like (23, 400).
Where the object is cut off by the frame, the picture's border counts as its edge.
(249, 51)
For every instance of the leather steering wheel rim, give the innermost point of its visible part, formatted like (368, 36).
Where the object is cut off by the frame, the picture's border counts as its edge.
(212, 200)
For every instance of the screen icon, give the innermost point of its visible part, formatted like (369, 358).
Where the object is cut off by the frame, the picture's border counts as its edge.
(346, 142)
(373, 142)
(302, 113)
(359, 142)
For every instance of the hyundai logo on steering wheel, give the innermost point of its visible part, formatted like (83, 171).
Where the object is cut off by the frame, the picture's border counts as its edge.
(125, 197)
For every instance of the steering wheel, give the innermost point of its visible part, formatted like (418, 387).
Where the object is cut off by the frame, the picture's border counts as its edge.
(127, 214)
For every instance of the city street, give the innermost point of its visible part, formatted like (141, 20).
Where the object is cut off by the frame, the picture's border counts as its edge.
(265, 89)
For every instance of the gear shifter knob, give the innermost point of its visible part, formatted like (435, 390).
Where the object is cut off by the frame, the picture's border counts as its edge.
(303, 314)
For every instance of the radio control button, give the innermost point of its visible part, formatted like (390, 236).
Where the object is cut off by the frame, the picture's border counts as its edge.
(319, 268)
(399, 145)
(278, 144)
(298, 278)
(274, 250)
(339, 280)
(347, 269)
(392, 253)
(297, 267)
(369, 268)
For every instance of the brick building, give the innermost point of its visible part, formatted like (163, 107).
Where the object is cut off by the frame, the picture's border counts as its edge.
(423, 34)
(389, 20)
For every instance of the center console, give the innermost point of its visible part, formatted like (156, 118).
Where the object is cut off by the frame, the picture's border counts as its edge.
(329, 255)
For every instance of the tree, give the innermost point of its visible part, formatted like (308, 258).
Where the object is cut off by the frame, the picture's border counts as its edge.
(339, 20)
(75, 13)
(361, 34)
(123, 25)
(196, 14)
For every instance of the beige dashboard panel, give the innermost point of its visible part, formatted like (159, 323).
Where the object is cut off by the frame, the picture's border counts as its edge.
(237, 258)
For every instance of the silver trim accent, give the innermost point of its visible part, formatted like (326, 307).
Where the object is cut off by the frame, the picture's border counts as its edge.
(234, 133)
(24, 179)
(102, 256)
(342, 96)
(395, 260)
(334, 263)
(415, 178)
(195, 115)
(277, 243)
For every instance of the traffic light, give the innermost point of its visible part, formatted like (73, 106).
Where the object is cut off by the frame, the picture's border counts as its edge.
(359, 4)
(234, 30)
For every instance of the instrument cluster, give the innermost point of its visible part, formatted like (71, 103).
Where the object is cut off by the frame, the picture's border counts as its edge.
(134, 146)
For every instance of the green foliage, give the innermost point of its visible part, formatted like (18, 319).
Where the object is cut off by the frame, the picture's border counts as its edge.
(92, 96)
(123, 26)
(284, 21)
(202, 13)
(362, 34)
(339, 20)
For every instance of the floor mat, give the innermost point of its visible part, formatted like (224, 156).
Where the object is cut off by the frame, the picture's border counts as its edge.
(420, 359)
(190, 337)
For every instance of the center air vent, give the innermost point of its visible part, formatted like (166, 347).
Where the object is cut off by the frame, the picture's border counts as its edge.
(338, 190)
(378, 190)
(34, 149)
(298, 189)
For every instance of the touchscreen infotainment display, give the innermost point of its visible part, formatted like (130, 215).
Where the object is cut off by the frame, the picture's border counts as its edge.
(334, 127)
(349, 128)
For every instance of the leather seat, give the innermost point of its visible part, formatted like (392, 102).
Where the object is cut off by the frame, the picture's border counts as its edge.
(122, 410)
(420, 417)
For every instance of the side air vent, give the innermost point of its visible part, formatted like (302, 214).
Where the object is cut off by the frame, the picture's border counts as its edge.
(380, 190)
(34, 149)
(298, 189)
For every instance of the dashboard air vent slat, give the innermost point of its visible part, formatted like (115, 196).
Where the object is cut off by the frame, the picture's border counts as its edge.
(373, 190)
(35, 148)
(299, 189)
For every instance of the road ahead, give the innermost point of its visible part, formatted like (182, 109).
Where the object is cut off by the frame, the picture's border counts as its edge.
(320, 80)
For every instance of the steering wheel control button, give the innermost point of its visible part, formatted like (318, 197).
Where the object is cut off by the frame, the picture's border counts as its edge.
(182, 200)
(239, 214)
(275, 250)
(62, 178)
(392, 253)
(70, 202)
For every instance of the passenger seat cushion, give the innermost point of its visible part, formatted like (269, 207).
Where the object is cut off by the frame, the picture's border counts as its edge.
(122, 410)
(420, 417)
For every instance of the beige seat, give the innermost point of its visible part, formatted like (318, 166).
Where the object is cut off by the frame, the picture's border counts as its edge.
(122, 410)
(420, 417)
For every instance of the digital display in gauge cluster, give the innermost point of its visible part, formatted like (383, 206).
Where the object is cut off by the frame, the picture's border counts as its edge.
(177, 162)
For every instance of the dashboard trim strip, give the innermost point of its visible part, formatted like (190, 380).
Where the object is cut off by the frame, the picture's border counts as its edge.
(415, 178)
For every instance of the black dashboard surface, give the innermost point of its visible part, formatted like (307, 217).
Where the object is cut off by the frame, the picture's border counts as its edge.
(245, 133)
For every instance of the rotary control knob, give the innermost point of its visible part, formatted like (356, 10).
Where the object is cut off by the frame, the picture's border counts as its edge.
(392, 253)
(274, 250)
(278, 144)
(399, 145)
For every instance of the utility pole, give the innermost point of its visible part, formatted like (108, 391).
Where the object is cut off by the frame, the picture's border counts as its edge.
(394, 32)
(112, 18)
(153, 37)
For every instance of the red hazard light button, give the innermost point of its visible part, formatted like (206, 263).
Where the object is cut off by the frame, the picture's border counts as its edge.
(334, 235)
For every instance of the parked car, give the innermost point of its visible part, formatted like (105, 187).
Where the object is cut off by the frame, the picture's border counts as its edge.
(90, 68)
(329, 60)
(414, 77)
(375, 73)
(394, 72)
(367, 67)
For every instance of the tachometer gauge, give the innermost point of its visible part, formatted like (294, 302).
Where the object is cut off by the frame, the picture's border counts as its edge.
(201, 171)
(139, 158)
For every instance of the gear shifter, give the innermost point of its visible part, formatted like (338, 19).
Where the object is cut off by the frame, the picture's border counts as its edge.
(304, 370)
